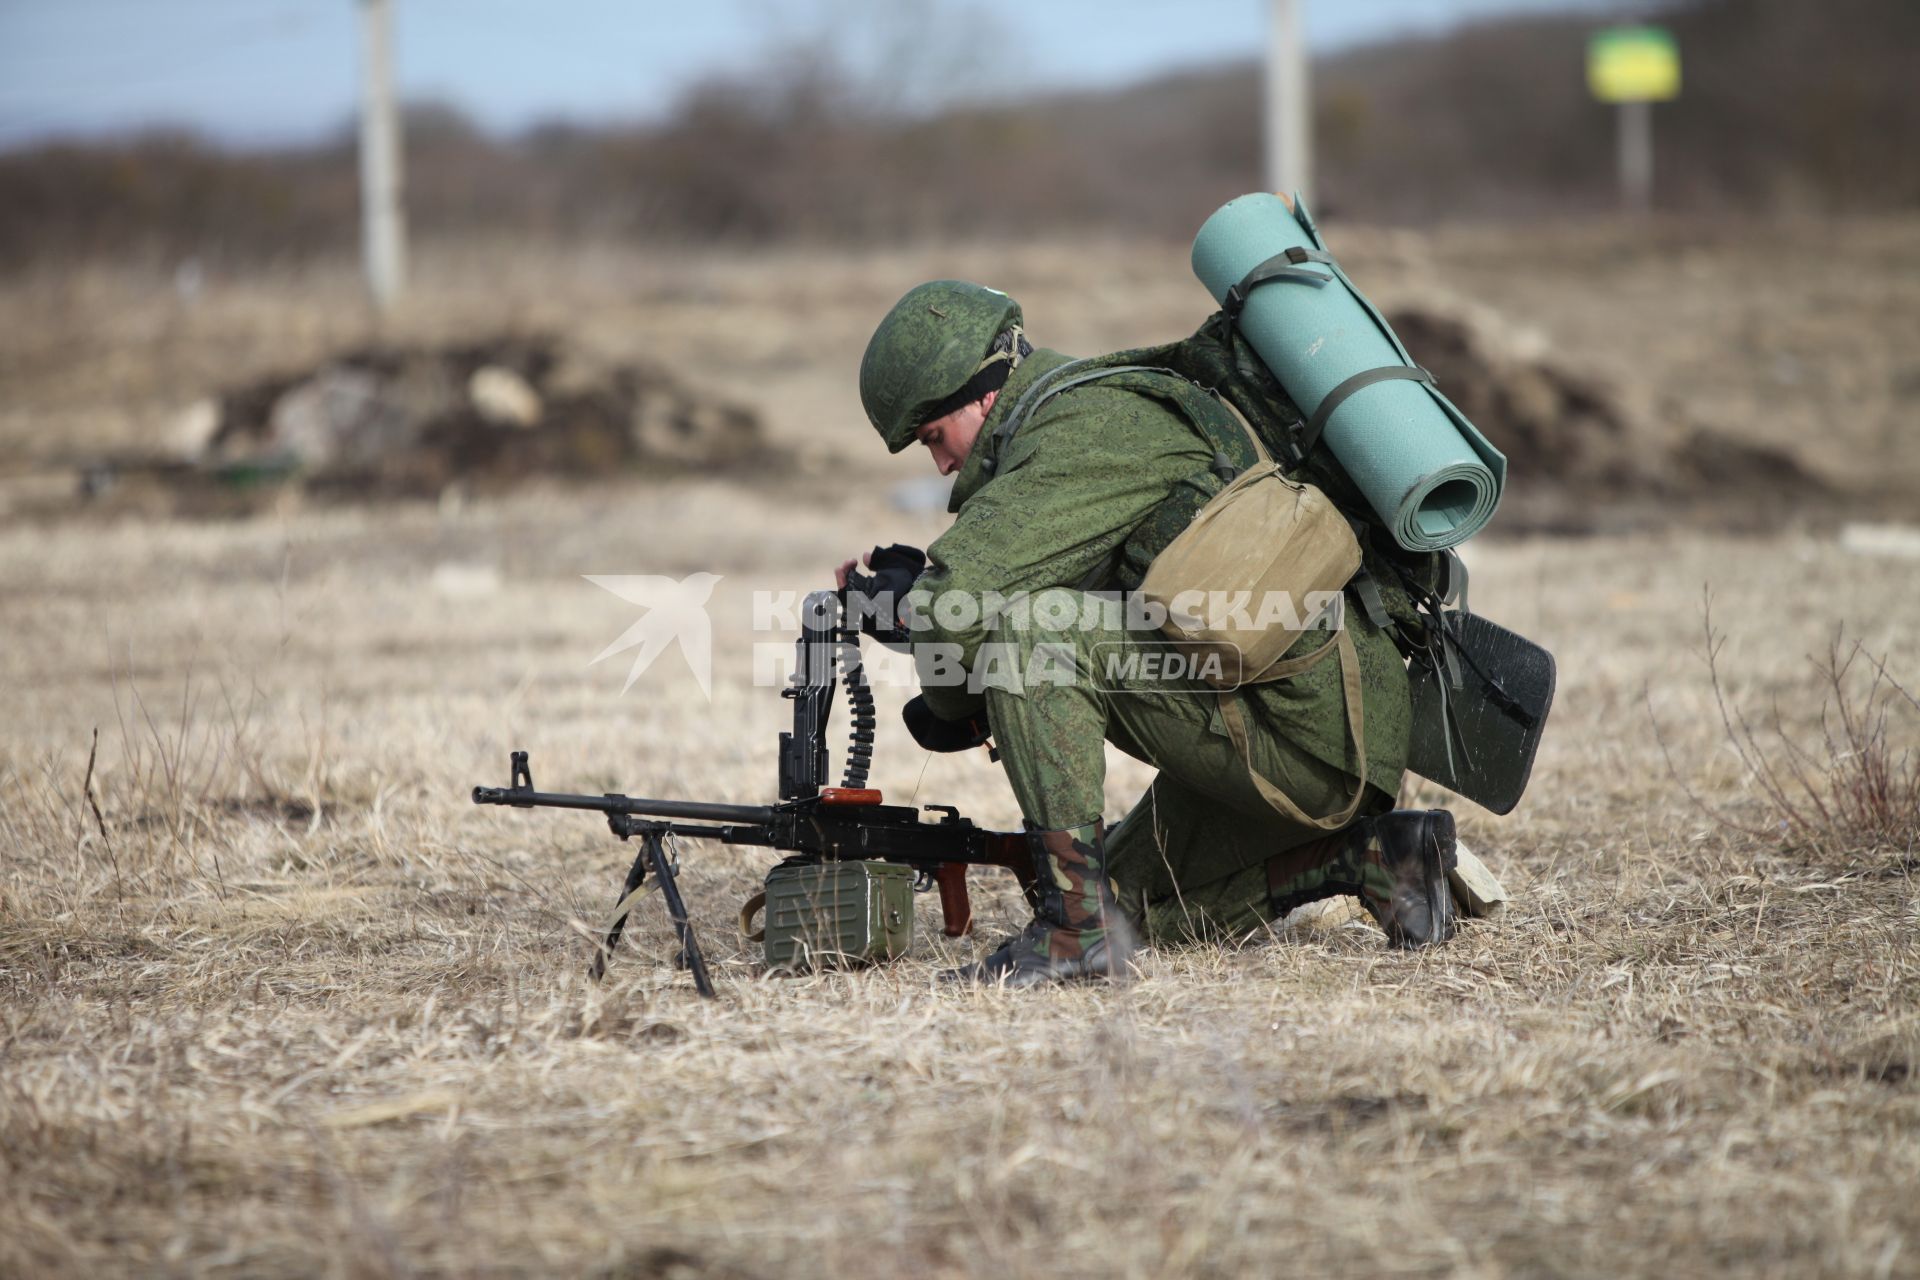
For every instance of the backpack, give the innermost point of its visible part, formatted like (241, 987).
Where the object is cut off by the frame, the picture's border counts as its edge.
(1480, 693)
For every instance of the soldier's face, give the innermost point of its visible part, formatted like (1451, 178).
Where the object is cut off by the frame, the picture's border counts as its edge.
(950, 438)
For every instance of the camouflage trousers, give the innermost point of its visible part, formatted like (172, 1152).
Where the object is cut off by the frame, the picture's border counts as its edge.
(1190, 859)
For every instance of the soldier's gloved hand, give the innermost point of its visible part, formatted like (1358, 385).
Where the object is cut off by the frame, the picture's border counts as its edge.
(874, 599)
(935, 734)
(896, 567)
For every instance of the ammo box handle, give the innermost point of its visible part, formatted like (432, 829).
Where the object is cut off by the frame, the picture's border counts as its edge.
(747, 911)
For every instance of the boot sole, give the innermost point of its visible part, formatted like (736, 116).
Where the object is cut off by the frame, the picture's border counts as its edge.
(1118, 973)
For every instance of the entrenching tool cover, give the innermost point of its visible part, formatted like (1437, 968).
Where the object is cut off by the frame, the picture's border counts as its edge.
(1426, 471)
(1478, 738)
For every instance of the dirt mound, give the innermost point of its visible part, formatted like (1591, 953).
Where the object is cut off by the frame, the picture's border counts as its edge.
(417, 421)
(393, 421)
(1583, 454)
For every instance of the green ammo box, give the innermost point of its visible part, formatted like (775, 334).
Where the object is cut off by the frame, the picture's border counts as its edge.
(821, 915)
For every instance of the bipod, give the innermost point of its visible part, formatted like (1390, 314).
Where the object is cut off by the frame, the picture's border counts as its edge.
(653, 854)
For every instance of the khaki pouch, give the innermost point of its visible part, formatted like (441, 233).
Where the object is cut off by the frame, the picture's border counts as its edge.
(1240, 582)
(1262, 551)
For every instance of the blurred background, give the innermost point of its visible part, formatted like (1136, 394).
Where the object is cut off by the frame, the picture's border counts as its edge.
(370, 247)
(225, 128)
(340, 338)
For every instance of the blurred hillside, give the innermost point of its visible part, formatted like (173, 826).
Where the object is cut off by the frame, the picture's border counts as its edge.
(1788, 106)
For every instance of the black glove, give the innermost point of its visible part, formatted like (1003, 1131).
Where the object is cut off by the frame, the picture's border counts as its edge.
(875, 598)
(935, 734)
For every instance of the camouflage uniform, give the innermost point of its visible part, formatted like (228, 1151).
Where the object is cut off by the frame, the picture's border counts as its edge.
(1080, 502)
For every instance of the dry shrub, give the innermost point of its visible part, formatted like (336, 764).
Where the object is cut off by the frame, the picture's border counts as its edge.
(160, 803)
(1849, 786)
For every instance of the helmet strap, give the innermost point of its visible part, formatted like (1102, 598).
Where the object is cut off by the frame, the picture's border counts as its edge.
(1010, 345)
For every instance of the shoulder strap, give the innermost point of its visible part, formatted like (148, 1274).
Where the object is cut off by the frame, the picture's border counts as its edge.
(1046, 387)
(1053, 382)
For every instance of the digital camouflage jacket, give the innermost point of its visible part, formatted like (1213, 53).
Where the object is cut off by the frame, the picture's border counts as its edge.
(1090, 488)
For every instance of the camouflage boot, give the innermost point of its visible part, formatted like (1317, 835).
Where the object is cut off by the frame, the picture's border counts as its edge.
(1396, 864)
(1078, 930)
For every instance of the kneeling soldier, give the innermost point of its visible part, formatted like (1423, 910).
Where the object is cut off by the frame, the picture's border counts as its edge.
(1258, 808)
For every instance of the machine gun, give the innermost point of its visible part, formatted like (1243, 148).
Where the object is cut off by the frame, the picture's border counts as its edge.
(813, 822)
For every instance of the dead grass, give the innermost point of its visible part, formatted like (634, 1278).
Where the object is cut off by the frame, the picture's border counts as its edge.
(291, 1006)
(309, 1012)
(1848, 786)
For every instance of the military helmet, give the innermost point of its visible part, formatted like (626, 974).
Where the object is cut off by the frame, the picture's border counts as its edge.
(927, 348)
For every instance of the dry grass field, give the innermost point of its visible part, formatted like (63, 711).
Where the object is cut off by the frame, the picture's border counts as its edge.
(276, 1000)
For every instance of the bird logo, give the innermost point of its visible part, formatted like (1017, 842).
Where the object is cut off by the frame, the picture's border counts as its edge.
(675, 611)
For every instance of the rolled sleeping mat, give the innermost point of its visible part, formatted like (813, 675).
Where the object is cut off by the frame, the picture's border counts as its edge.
(1428, 473)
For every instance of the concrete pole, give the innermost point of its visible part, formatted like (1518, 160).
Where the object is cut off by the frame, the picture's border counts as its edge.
(1636, 156)
(383, 231)
(1289, 102)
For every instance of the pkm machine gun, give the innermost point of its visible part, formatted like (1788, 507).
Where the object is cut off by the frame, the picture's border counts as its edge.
(813, 822)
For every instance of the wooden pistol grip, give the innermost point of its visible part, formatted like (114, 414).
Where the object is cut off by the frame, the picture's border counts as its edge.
(954, 906)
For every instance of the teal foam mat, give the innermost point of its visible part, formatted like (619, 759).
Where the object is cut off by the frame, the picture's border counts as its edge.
(1427, 472)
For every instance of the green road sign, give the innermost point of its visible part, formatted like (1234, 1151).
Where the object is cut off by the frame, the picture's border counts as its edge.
(1633, 64)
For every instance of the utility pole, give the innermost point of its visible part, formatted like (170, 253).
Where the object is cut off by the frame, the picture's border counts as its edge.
(1289, 133)
(383, 231)
(1636, 155)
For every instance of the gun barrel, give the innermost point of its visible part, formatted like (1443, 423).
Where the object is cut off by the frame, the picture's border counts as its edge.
(691, 810)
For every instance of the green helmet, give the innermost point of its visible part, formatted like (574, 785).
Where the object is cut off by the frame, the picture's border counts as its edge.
(930, 346)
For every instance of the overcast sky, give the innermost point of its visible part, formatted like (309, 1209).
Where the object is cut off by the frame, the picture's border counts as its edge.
(265, 71)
